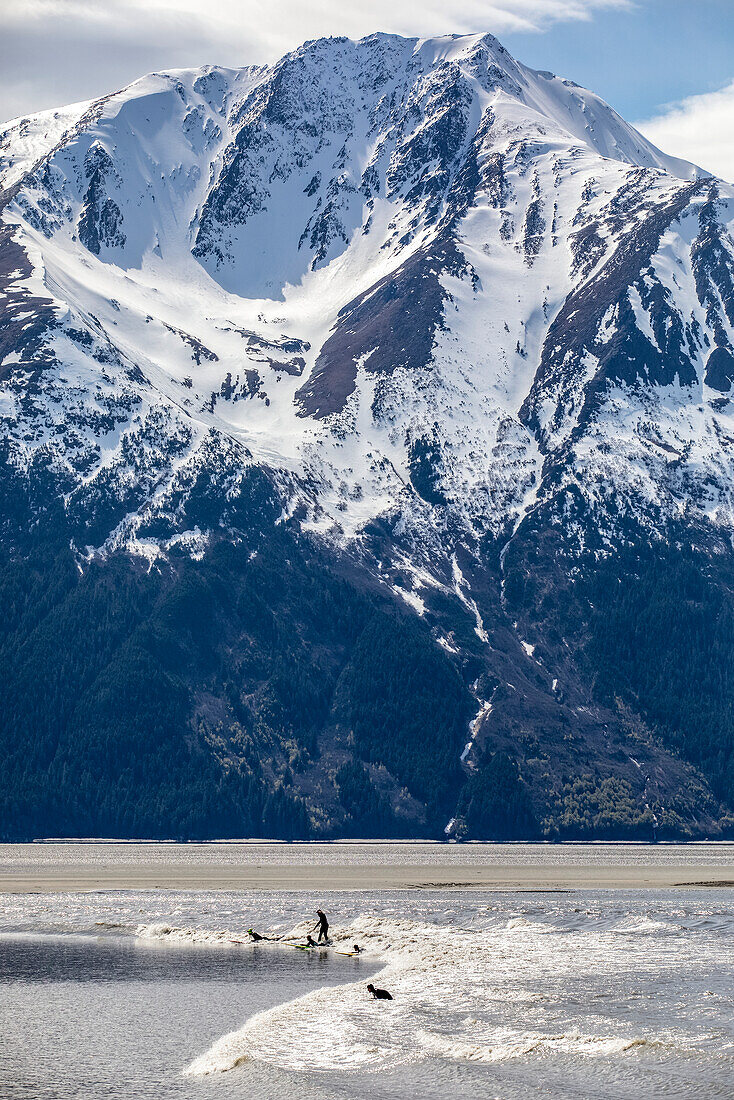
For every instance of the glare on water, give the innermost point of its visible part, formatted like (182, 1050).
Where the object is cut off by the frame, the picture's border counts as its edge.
(607, 993)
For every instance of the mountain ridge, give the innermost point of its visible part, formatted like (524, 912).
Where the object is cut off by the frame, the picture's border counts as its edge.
(444, 323)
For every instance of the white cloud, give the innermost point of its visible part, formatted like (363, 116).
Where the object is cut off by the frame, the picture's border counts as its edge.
(700, 128)
(58, 51)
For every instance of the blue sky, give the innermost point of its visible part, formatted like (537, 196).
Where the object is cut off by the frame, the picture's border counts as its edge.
(667, 64)
(642, 58)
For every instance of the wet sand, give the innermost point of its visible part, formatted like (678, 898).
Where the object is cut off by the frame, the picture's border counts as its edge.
(60, 867)
(318, 879)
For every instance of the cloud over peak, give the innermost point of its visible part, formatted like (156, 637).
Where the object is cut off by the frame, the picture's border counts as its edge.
(59, 51)
(699, 128)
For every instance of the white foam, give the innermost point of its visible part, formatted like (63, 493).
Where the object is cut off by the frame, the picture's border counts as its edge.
(450, 989)
(172, 934)
(640, 926)
(502, 1044)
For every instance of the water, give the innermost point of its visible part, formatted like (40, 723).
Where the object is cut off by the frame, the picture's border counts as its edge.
(606, 993)
(91, 1017)
(233, 855)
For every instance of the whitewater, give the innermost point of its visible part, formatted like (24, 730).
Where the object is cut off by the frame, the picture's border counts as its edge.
(595, 994)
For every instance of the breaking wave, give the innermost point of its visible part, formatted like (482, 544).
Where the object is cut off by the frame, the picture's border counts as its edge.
(451, 988)
(172, 934)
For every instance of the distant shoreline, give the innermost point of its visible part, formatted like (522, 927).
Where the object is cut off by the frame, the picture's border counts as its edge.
(380, 842)
(81, 866)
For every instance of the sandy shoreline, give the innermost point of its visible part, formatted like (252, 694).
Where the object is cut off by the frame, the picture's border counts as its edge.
(317, 878)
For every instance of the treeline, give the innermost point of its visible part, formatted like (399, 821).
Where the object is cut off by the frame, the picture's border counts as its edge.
(495, 803)
(178, 701)
(95, 730)
(407, 708)
(662, 640)
(651, 628)
(192, 699)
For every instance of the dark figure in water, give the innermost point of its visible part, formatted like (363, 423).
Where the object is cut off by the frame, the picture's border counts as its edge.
(255, 936)
(310, 941)
(356, 949)
(379, 994)
(323, 926)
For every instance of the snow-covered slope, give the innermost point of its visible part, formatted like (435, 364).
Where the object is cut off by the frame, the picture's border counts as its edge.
(433, 294)
(358, 263)
(23, 141)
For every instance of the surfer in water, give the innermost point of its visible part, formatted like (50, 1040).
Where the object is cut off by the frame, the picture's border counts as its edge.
(323, 926)
(379, 994)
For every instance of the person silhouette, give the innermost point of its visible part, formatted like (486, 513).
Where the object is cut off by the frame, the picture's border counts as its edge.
(323, 926)
(379, 994)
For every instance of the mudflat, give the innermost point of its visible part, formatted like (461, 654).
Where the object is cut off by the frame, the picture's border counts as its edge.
(88, 866)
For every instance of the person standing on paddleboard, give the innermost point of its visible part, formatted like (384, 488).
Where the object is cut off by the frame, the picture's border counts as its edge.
(323, 926)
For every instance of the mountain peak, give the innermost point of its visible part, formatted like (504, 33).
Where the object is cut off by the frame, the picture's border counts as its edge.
(393, 362)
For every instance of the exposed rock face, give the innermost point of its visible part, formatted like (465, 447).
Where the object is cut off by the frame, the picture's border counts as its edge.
(444, 327)
(100, 219)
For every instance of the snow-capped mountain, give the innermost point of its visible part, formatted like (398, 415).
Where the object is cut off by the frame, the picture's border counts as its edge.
(455, 319)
